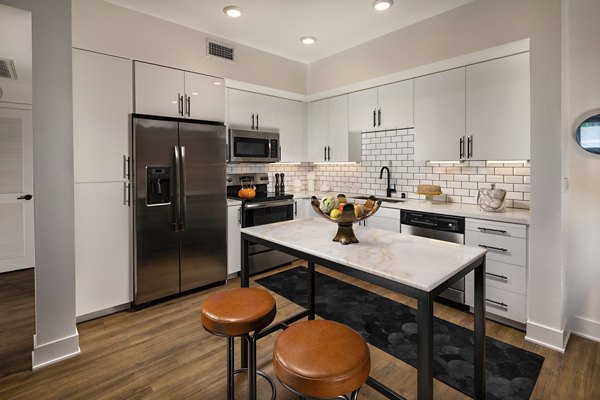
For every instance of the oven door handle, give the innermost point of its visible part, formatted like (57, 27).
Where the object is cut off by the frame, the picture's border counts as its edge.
(269, 204)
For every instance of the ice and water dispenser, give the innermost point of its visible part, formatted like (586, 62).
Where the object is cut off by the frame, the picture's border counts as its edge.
(158, 185)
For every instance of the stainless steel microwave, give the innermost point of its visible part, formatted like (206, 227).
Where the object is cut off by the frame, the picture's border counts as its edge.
(253, 146)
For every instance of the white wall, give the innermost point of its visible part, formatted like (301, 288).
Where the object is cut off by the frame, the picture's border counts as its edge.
(583, 95)
(56, 333)
(107, 28)
(477, 26)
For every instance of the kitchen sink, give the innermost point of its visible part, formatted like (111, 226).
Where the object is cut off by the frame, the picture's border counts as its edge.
(383, 199)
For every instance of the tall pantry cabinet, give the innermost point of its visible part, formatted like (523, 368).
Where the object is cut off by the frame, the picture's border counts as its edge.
(102, 104)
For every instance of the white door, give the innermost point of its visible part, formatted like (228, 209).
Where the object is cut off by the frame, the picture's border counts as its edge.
(234, 241)
(363, 110)
(396, 104)
(338, 129)
(102, 102)
(498, 108)
(102, 246)
(290, 130)
(158, 90)
(440, 116)
(318, 134)
(205, 97)
(16, 180)
(240, 109)
(265, 108)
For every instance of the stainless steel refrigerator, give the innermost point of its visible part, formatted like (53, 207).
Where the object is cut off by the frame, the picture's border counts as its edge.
(180, 206)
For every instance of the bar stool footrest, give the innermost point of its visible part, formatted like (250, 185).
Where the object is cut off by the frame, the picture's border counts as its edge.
(264, 375)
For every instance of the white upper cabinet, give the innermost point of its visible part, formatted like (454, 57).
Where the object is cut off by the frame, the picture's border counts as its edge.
(159, 90)
(362, 110)
(498, 109)
(102, 102)
(329, 139)
(440, 116)
(290, 117)
(176, 93)
(318, 136)
(396, 105)
(251, 110)
(384, 107)
(337, 148)
(205, 97)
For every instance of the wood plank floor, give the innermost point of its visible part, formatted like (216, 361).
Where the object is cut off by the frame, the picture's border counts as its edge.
(17, 320)
(162, 352)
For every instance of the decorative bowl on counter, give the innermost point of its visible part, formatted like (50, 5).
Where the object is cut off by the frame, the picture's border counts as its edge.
(345, 214)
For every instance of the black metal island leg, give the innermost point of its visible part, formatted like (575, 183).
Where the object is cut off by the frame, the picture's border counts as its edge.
(425, 347)
(245, 282)
(311, 290)
(479, 374)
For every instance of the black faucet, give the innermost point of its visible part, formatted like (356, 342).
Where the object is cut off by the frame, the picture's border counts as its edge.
(389, 189)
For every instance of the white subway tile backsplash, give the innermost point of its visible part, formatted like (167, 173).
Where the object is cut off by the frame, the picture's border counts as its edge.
(459, 182)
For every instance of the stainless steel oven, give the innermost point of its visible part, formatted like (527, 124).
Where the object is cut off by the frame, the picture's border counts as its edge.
(441, 227)
(265, 208)
(250, 146)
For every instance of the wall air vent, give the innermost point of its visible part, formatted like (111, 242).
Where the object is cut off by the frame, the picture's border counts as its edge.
(216, 49)
(7, 69)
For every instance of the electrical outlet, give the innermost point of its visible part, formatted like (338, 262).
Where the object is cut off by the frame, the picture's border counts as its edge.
(403, 195)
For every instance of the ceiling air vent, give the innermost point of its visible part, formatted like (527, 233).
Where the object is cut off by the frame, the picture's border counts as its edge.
(7, 69)
(216, 49)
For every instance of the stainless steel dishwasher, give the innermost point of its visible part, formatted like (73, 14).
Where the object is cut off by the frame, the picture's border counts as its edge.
(441, 227)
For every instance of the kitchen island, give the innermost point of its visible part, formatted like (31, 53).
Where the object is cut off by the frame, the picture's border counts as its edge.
(414, 266)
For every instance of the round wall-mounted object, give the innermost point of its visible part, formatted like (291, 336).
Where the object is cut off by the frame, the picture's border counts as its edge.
(588, 134)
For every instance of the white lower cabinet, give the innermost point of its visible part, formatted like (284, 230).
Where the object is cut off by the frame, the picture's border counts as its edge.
(386, 218)
(102, 246)
(506, 267)
(234, 241)
(303, 209)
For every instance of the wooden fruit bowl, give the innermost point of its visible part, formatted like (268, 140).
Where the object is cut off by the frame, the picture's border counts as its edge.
(345, 233)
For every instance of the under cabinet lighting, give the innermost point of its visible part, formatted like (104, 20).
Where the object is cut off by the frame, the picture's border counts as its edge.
(382, 5)
(335, 163)
(287, 163)
(444, 162)
(509, 162)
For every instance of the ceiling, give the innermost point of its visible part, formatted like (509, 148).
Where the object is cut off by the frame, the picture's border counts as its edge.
(276, 26)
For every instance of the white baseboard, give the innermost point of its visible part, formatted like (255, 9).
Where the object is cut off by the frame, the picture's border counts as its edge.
(555, 339)
(58, 350)
(584, 327)
(102, 313)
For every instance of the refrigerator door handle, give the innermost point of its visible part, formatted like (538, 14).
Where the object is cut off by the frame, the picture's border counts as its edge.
(176, 202)
(182, 189)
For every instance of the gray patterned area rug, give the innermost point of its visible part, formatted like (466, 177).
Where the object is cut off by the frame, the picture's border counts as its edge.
(392, 327)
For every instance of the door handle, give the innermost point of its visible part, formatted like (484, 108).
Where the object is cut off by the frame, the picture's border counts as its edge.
(176, 202)
(188, 106)
(379, 117)
(491, 230)
(328, 153)
(25, 197)
(126, 194)
(256, 121)
(182, 190)
(180, 104)
(126, 167)
(461, 147)
(252, 120)
(374, 117)
(493, 248)
(497, 276)
(325, 153)
(498, 303)
(470, 147)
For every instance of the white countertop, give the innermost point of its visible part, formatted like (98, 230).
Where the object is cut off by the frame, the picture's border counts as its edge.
(411, 260)
(511, 215)
(231, 202)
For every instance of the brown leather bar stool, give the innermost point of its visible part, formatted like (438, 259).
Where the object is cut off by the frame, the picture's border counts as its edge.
(322, 360)
(237, 313)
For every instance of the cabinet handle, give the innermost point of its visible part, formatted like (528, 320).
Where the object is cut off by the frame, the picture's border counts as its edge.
(325, 153)
(493, 248)
(240, 216)
(126, 167)
(374, 117)
(126, 194)
(498, 303)
(497, 276)
(379, 117)
(296, 208)
(252, 120)
(180, 101)
(328, 153)
(491, 230)
(256, 121)
(470, 147)
(188, 106)
(461, 147)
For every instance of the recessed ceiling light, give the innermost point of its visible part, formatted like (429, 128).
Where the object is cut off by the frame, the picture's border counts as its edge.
(308, 40)
(381, 5)
(217, 83)
(233, 11)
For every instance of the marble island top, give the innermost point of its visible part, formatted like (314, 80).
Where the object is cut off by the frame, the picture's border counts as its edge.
(411, 260)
